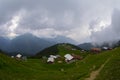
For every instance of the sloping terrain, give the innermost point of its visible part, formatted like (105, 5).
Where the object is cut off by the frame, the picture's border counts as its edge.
(60, 49)
(38, 69)
(86, 46)
(111, 71)
(28, 44)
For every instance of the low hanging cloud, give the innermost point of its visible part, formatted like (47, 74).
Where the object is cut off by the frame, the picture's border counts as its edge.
(110, 33)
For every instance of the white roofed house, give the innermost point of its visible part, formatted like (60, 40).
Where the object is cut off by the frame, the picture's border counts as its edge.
(18, 56)
(105, 48)
(68, 58)
(12, 56)
(76, 57)
(51, 59)
(52, 56)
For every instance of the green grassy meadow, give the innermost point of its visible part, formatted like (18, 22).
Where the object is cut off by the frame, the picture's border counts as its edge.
(111, 71)
(38, 69)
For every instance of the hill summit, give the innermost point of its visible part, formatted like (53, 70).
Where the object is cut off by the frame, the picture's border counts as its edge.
(61, 49)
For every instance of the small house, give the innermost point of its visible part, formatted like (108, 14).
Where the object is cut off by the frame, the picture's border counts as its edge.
(18, 56)
(68, 57)
(105, 48)
(95, 50)
(76, 57)
(50, 60)
(12, 56)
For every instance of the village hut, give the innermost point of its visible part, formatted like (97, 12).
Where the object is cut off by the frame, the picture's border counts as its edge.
(76, 57)
(105, 48)
(96, 50)
(18, 56)
(53, 56)
(50, 60)
(68, 57)
(12, 56)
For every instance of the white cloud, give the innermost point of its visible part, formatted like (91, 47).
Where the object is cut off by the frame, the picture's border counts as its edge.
(46, 18)
(109, 33)
(13, 26)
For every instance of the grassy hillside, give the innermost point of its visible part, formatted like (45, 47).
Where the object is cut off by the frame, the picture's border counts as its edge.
(60, 49)
(37, 69)
(111, 71)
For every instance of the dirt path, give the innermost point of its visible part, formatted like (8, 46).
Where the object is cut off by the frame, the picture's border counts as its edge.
(94, 74)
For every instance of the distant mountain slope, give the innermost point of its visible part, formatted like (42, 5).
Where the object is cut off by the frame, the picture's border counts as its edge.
(28, 44)
(62, 39)
(86, 46)
(61, 49)
(4, 43)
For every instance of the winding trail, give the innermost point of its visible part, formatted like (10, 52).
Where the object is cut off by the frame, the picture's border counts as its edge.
(94, 74)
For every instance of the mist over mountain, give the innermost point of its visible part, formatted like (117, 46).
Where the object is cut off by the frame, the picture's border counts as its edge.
(86, 46)
(4, 43)
(28, 44)
(62, 39)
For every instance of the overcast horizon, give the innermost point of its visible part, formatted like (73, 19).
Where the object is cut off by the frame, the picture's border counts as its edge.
(81, 20)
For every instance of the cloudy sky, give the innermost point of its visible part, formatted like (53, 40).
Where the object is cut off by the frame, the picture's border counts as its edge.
(81, 20)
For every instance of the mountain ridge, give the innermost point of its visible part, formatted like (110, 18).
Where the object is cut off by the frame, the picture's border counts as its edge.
(28, 44)
(59, 49)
